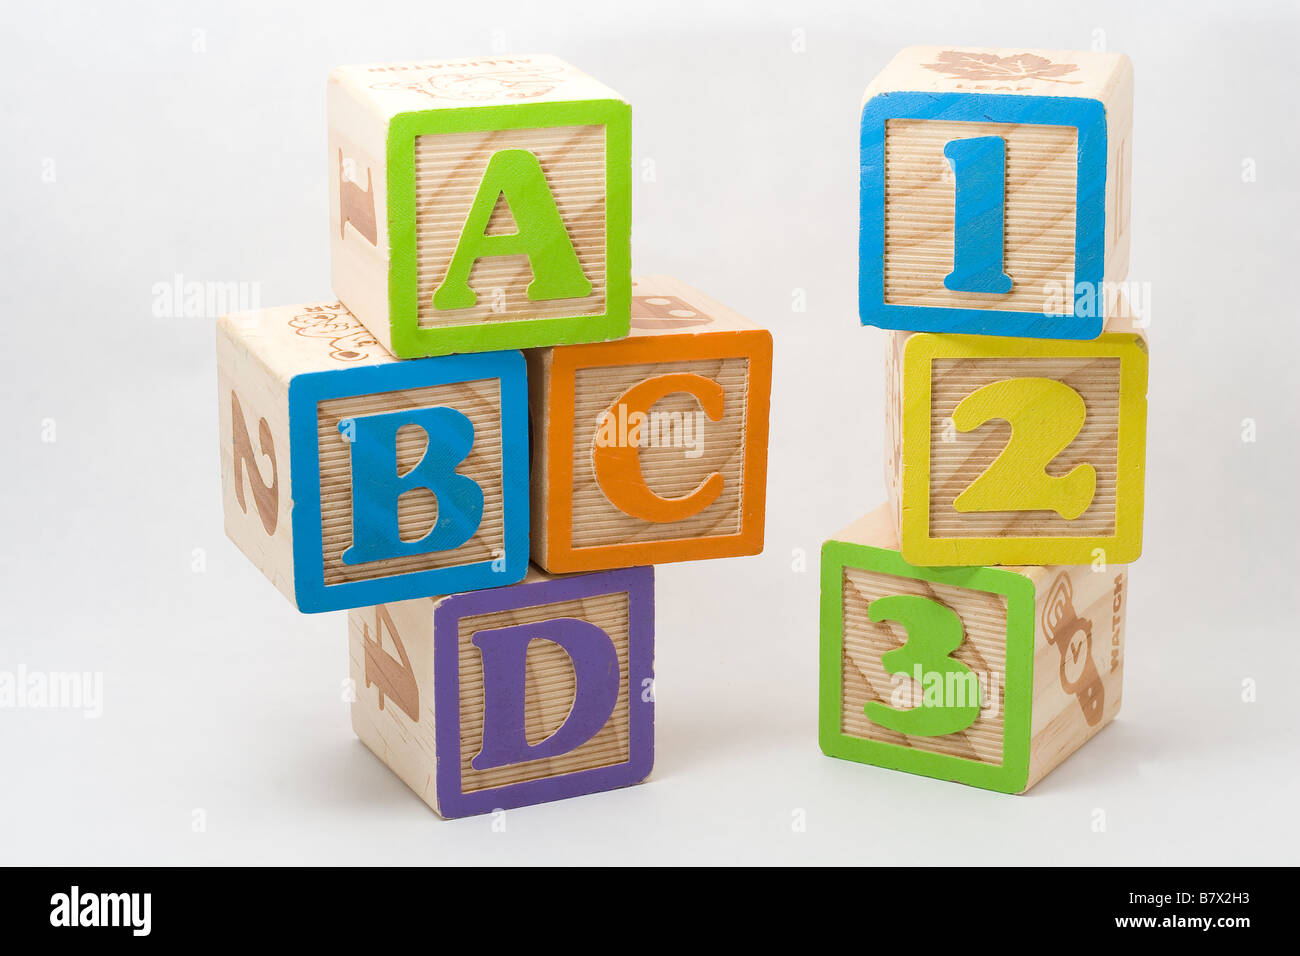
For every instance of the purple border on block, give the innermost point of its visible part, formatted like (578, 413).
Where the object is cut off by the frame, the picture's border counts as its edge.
(638, 583)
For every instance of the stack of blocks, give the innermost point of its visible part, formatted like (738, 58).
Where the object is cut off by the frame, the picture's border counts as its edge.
(973, 627)
(376, 451)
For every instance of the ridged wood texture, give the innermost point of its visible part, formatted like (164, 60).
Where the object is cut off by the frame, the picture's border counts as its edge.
(1039, 218)
(448, 171)
(958, 458)
(667, 469)
(983, 650)
(549, 690)
(417, 510)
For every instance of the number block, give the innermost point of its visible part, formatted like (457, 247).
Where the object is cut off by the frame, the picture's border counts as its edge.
(350, 478)
(652, 449)
(479, 205)
(986, 676)
(1016, 451)
(511, 696)
(995, 196)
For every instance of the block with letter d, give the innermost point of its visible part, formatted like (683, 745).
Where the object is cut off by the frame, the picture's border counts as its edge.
(995, 191)
(1017, 451)
(986, 676)
(654, 448)
(350, 478)
(480, 205)
(510, 696)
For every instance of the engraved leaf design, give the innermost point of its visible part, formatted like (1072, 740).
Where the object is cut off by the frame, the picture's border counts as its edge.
(1017, 67)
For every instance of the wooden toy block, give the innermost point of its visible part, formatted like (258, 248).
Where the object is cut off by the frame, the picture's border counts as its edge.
(1016, 451)
(986, 676)
(350, 478)
(654, 448)
(479, 205)
(995, 191)
(511, 696)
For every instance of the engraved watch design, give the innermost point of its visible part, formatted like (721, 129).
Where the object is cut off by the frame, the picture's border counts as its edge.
(1072, 637)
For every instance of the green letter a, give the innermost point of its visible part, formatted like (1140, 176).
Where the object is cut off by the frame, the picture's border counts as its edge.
(517, 175)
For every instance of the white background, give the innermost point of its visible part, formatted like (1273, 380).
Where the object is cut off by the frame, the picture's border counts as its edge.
(219, 697)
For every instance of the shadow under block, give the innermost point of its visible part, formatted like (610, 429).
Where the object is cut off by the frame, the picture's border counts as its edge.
(986, 676)
(652, 449)
(511, 696)
(1016, 451)
(350, 478)
(479, 205)
(995, 191)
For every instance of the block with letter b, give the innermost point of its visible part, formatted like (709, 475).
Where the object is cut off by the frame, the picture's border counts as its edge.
(986, 676)
(654, 448)
(480, 205)
(995, 191)
(1017, 451)
(350, 478)
(510, 696)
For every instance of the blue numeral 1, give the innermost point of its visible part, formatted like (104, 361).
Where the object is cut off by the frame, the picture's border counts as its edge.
(979, 166)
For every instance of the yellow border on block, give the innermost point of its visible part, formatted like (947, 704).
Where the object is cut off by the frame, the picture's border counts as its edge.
(1124, 546)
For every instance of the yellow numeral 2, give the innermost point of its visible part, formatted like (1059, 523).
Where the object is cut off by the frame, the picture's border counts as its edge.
(1045, 416)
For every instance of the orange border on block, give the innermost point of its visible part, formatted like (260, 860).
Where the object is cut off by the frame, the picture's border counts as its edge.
(754, 344)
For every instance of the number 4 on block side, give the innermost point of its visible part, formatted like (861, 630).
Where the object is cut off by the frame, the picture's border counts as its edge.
(985, 676)
(511, 696)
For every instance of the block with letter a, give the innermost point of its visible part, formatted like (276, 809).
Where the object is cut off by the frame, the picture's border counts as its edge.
(351, 479)
(511, 696)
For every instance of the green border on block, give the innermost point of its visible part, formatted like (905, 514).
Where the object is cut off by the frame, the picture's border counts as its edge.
(411, 341)
(1018, 683)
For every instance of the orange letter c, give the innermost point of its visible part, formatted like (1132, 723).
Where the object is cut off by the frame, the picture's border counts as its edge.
(618, 466)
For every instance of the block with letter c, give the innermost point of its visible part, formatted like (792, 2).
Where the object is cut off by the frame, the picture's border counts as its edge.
(652, 449)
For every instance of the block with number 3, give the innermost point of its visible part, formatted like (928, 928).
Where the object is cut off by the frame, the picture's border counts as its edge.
(986, 676)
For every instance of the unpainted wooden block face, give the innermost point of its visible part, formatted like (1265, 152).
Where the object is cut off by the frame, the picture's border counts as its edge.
(511, 696)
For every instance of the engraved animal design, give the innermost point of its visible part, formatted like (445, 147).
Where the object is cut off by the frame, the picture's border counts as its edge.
(1016, 68)
(266, 497)
(665, 312)
(1072, 637)
(519, 83)
(349, 340)
(357, 205)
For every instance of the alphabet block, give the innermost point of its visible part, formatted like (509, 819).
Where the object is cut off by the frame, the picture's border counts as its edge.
(995, 191)
(986, 676)
(478, 205)
(654, 448)
(511, 696)
(350, 478)
(1017, 451)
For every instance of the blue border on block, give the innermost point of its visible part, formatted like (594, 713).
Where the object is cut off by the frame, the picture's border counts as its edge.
(1087, 116)
(306, 391)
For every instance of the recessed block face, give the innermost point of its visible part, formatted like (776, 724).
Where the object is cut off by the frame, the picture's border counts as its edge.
(654, 448)
(351, 477)
(511, 696)
(480, 204)
(986, 676)
(1018, 451)
(994, 191)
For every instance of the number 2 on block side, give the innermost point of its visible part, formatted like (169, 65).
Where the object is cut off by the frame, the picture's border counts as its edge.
(934, 631)
(1045, 417)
